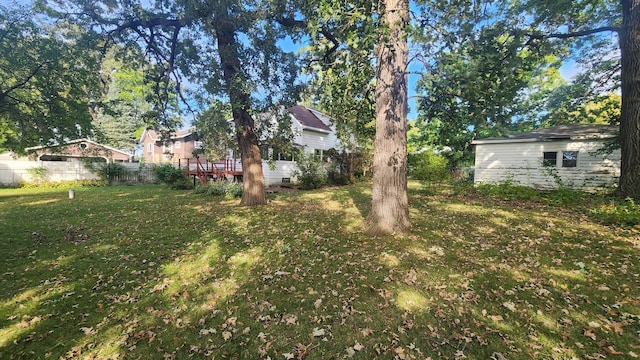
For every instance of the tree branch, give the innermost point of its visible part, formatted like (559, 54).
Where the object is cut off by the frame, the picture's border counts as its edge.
(22, 83)
(287, 22)
(574, 34)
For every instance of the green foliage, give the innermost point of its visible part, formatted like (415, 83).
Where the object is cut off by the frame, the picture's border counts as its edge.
(172, 176)
(508, 191)
(490, 71)
(49, 77)
(428, 166)
(342, 167)
(108, 172)
(60, 184)
(221, 188)
(38, 174)
(214, 131)
(167, 173)
(121, 116)
(624, 213)
(182, 183)
(309, 171)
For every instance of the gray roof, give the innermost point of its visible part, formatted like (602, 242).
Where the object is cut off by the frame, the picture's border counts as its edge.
(560, 132)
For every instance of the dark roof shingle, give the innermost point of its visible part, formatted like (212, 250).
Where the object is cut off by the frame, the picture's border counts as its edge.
(307, 118)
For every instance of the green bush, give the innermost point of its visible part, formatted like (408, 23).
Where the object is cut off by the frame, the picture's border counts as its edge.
(507, 190)
(61, 184)
(182, 183)
(107, 172)
(167, 173)
(429, 167)
(624, 213)
(336, 177)
(234, 190)
(309, 172)
(221, 188)
(172, 176)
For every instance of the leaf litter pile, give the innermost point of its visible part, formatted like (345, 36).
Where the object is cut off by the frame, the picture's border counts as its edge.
(147, 272)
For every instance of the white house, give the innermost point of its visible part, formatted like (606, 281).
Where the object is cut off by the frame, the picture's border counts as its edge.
(314, 133)
(547, 158)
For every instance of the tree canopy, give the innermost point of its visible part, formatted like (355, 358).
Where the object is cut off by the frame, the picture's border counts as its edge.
(49, 80)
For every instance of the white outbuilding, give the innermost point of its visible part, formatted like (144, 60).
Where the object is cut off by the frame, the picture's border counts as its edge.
(565, 155)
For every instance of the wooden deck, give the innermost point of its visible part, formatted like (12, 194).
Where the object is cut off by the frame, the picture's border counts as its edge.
(205, 170)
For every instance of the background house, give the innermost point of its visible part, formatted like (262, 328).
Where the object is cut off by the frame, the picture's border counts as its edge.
(313, 132)
(179, 145)
(58, 163)
(547, 158)
(76, 150)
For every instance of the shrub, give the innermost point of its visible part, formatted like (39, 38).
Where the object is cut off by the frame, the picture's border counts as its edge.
(234, 190)
(336, 177)
(624, 213)
(38, 174)
(107, 172)
(310, 172)
(429, 167)
(172, 176)
(61, 184)
(167, 173)
(507, 190)
(221, 188)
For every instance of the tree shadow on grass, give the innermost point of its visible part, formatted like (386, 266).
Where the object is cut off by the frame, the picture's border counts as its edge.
(200, 277)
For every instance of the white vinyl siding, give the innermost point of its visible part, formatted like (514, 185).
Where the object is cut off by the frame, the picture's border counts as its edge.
(522, 163)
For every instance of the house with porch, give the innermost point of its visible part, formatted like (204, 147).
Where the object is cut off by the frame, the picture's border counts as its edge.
(313, 132)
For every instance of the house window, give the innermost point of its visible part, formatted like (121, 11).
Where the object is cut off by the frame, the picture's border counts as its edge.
(178, 144)
(149, 147)
(549, 158)
(318, 154)
(569, 158)
(286, 180)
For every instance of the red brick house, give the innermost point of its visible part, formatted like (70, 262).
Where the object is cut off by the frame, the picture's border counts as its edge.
(180, 145)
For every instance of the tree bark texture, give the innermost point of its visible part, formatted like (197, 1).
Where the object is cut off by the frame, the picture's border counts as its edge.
(389, 204)
(253, 192)
(629, 185)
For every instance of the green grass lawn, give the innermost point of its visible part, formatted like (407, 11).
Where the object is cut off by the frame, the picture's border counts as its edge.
(152, 273)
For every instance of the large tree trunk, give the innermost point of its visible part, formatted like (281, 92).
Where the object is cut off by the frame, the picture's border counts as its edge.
(389, 205)
(253, 192)
(629, 185)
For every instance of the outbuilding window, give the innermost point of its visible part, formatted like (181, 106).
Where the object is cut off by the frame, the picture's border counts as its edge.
(550, 158)
(569, 158)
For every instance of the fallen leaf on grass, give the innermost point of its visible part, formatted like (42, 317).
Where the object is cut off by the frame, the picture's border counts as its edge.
(590, 334)
(509, 305)
(318, 332)
(367, 331)
(88, 330)
(593, 324)
(617, 328)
